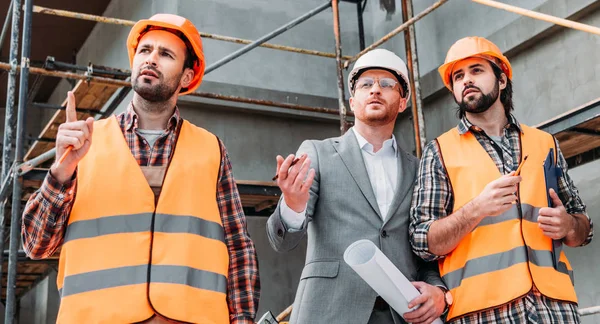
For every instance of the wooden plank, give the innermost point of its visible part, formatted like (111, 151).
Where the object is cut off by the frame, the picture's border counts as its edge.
(256, 183)
(572, 143)
(92, 96)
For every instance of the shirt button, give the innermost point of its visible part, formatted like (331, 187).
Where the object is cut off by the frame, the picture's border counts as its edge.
(61, 196)
(384, 234)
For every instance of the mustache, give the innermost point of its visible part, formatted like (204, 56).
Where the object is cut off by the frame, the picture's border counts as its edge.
(150, 68)
(469, 88)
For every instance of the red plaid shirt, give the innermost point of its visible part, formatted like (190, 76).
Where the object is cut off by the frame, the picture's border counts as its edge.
(47, 212)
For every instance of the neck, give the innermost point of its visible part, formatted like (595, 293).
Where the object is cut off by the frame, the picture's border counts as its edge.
(375, 135)
(492, 121)
(153, 115)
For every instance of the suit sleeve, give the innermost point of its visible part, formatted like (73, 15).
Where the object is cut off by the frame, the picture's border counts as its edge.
(285, 239)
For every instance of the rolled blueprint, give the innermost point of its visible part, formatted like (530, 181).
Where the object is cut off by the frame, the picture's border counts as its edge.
(379, 272)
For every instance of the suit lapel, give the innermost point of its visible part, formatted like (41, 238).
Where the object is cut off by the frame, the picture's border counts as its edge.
(406, 174)
(347, 148)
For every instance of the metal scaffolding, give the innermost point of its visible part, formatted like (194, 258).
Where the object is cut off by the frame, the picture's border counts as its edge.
(13, 169)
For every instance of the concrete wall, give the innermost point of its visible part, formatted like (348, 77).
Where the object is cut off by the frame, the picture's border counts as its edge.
(40, 305)
(585, 259)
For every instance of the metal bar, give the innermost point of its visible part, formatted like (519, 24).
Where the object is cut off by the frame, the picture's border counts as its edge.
(412, 58)
(76, 15)
(266, 103)
(5, 25)
(70, 75)
(361, 27)
(338, 61)
(540, 16)
(267, 37)
(29, 165)
(123, 83)
(42, 105)
(6, 185)
(12, 67)
(589, 311)
(15, 221)
(64, 66)
(396, 31)
(41, 139)
(114, 104)
(9, 119)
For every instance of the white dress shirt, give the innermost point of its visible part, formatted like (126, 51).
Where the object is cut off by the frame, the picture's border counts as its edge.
(382, 168)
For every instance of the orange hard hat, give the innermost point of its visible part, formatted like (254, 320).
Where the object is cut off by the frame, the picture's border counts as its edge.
(174, 22)
(473, 47)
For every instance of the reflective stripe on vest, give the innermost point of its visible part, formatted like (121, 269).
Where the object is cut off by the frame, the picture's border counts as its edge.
(504, 255)
(126, 258)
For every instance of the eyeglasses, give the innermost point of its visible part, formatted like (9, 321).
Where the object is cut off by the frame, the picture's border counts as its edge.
(384, 83)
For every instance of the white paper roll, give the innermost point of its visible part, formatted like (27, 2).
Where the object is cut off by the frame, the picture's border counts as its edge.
(379, 272)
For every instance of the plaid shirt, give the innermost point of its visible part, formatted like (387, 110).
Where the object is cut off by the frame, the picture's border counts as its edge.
(432, 200)
(47, 212)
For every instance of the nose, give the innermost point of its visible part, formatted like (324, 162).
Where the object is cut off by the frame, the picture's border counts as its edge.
(151, 58)
(467, 80)
(375, 89)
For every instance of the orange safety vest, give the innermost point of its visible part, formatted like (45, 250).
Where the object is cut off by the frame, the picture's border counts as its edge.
(501, 259)
(125, 258)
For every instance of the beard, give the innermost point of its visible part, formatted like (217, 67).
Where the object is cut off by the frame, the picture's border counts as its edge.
(380, 117)
(160, 92)
(481, 104)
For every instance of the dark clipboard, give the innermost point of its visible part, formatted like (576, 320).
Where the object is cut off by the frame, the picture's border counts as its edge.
(551, 174)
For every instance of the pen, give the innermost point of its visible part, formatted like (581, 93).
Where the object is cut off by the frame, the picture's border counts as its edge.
(521, 165)
(293, 162)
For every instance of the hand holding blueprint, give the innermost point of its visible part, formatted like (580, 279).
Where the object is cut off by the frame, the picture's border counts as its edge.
(379, 272)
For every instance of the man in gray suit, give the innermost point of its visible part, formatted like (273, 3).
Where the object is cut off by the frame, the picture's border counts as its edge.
(357, 186)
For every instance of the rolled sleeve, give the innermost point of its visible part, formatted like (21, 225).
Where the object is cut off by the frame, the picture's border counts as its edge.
(569, 194)
(432, 200)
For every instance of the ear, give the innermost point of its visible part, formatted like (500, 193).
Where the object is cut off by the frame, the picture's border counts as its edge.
(402, 105)
(351, 101)
(186, 78)
(503, 80)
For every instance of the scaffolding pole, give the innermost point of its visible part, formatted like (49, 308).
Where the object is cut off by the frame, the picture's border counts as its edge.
(338, 65)
(122, 83)
(9, 118)
(123, 22)
(540, 16)
(15, 221)
(5, 25)
(267, 37)
(410, 42)
(396, 31)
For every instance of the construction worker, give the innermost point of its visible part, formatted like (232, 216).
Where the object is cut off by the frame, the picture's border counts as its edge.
(145, 207)
(497, 233)
(357, 186)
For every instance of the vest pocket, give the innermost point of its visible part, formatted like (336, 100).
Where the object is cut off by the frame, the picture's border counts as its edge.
(320, 269)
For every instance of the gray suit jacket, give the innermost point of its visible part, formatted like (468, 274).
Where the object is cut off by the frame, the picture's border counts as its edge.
(342, 209)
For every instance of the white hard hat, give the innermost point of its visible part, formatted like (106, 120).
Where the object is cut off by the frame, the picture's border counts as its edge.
(381, 59)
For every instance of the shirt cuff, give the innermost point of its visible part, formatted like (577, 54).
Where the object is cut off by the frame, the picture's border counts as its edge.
(290, 218)
(54, 191)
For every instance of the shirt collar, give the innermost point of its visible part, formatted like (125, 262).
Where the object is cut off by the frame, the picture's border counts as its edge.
(365, 145)
(131, 119)
(465, 125)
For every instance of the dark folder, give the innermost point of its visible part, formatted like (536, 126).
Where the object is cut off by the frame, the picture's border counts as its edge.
(551, 173)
